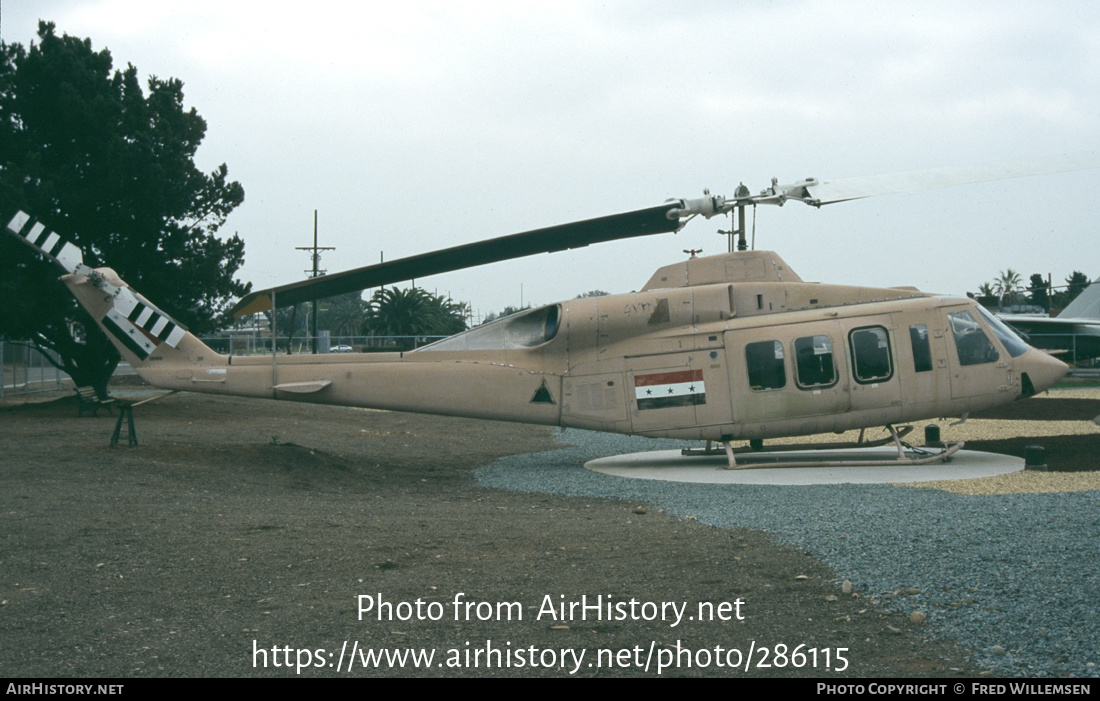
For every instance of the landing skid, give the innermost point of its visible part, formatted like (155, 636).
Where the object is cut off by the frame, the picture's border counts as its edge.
(918, 456)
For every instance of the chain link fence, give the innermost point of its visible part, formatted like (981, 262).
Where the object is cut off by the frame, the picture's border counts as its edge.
(256, 344)
(27, 370)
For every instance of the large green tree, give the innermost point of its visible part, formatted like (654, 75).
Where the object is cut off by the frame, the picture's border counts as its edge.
(1062, 295)
(1040, 296)
(109, 166)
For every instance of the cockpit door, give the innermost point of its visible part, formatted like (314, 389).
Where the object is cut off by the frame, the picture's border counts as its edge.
(978, 365)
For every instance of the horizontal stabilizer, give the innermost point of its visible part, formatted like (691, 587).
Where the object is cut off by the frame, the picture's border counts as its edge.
(304, 387)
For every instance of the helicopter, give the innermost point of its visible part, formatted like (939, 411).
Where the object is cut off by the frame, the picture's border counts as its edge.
(722, 348)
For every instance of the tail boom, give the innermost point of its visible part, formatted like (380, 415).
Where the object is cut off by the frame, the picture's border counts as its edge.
(140, 331)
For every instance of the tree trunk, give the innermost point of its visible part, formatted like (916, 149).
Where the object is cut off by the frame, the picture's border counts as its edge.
(89, 364)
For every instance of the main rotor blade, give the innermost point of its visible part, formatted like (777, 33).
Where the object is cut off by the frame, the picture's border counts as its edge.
(642, 222)
(827, 192)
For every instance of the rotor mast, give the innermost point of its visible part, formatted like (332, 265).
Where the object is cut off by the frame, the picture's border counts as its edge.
(711, 205)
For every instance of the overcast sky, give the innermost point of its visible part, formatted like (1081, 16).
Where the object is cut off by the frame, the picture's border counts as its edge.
(413, 126)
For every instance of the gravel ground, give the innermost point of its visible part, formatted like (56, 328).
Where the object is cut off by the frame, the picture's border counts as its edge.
(1011, 575)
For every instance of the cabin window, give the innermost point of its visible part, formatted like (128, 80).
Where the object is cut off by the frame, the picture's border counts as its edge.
(814, 361)
(922, 348)
(765, 363)
(973, 345)
(871, 354)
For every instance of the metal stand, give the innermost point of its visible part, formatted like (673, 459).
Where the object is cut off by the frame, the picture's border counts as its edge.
(125, 412)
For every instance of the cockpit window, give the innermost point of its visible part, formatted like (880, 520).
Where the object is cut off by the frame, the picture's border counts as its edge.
(1012, 343)
(922, 348)
(973, 345)
(523, 330)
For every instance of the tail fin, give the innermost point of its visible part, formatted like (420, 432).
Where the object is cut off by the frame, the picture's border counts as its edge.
(134, 324)
(1086, 306)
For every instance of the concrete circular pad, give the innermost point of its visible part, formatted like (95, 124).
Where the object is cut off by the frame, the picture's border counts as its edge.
(670, 465)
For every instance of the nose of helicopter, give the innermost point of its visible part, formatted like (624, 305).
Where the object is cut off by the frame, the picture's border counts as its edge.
(1042, 369)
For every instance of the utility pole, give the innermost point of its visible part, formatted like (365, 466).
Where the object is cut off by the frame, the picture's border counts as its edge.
(316, 272)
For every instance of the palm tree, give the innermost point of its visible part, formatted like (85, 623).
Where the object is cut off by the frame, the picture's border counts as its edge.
(413, 312)
(1007, 283)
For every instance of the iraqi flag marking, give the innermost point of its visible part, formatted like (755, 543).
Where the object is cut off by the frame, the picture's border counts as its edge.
(669, 389)
(154, 323)
(129, 335)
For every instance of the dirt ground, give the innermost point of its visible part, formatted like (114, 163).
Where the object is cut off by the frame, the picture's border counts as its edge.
(239, 536)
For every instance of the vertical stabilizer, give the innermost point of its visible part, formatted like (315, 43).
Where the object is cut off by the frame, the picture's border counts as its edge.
(134, 324)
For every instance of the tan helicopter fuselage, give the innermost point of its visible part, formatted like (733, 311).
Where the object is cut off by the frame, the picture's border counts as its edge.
(734, 346)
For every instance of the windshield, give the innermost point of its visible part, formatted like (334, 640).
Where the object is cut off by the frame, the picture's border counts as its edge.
(1012, 342)
(973, 345)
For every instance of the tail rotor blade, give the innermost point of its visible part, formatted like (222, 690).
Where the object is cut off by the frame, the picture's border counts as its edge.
(52, 246)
